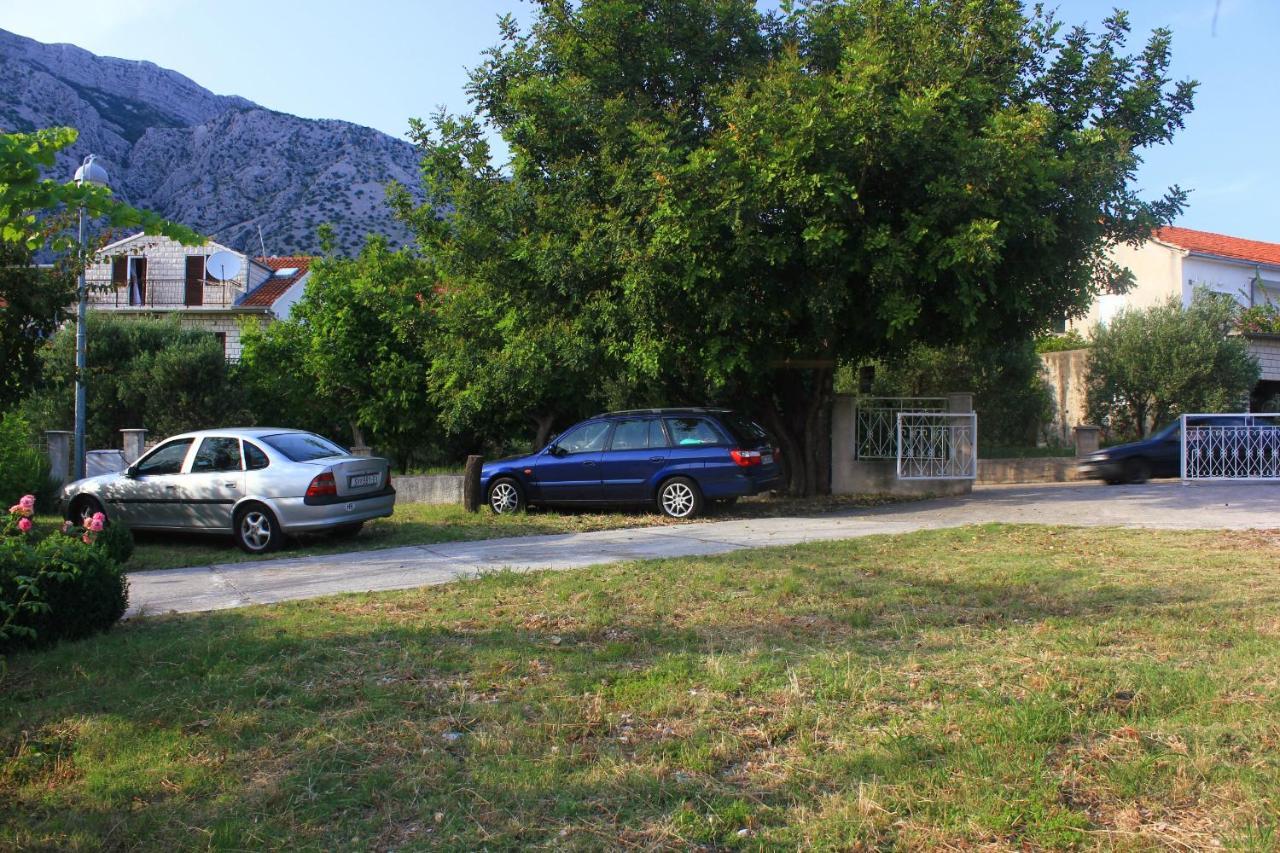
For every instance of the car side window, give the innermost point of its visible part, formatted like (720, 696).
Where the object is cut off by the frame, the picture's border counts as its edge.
(587, 438)
(217, 453)
(165, 459)
(630, 435)
(691, 432)
(255, 459)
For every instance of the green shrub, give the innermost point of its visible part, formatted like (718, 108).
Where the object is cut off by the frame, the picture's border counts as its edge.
(24, 469)
(117, 541)
(1061, 343)
(58, 588)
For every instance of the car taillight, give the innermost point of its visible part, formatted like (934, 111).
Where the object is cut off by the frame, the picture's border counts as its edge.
(323, 484)
(746, 458)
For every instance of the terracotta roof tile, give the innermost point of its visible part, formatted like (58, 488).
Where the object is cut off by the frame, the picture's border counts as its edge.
(265, 294)
(1207, 243)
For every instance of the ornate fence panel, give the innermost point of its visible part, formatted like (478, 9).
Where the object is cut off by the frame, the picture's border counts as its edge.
(937, 445)
(876, 423)
(1240, 448)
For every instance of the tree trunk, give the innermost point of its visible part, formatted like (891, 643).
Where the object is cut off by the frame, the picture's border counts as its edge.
(799, 416)
(357, 435)
(543, 434)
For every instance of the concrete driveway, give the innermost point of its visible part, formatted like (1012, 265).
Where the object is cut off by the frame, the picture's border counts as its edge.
(1154, 505)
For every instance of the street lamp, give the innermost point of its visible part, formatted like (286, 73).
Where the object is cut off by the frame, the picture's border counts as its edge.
(88, 173)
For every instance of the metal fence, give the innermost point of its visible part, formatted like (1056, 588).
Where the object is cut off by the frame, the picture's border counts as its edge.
(876, 423)
(937, 445)
(1246, 450)
(164, 293)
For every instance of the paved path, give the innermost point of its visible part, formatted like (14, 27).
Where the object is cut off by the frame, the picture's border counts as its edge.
(1163, 505)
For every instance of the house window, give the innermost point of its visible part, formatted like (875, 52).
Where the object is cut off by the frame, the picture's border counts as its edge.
(222, 342)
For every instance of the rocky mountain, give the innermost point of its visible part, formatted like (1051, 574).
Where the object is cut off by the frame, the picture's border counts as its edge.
(220, 164)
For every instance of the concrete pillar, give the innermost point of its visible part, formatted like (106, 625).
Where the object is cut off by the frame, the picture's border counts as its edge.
(361, 450)
(960, 401)
(1087, 437)
(843, 412)
(134, 442)
(59, 443)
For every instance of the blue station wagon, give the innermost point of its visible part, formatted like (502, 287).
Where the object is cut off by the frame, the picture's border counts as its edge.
(676, 459)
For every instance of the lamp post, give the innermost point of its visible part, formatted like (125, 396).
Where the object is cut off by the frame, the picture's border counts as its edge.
(88, 173)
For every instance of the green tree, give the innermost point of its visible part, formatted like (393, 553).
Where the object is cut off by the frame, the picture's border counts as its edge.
(725, 204)
(1009, 392)
(142, 372)
(1148, 366)
(353, 351)
(33, 303)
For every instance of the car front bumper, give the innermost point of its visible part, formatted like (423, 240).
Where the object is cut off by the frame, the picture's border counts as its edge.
(296, 516)
(1101, 469)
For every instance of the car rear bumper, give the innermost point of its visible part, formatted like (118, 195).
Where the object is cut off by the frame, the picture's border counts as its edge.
(296, 516)
(741, 485)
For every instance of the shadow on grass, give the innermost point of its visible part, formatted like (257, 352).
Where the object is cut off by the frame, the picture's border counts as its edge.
(652, 704)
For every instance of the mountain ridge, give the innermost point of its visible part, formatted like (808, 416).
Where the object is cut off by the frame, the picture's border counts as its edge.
(218, 163)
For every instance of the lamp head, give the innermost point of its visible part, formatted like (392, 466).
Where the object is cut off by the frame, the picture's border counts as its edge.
(91, 173)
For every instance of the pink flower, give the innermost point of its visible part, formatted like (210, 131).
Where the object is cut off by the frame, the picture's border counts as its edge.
(85, 539)
(95, 525)
(16, 509)
(66, 526)
(28, 502)
(24, 524)
(99, 517)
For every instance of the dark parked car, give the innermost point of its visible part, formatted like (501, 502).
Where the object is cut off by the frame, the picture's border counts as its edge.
(676, 459)
(1159, 455)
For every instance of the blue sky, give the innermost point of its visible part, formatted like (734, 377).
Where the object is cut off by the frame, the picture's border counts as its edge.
(380, 62)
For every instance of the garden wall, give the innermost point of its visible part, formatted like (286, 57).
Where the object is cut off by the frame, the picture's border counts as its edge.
(1056, 469)
(428, 489)
(1066, 372)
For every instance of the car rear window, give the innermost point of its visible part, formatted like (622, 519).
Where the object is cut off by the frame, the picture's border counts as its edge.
(688, 432)
(745, 430)
(302, 446)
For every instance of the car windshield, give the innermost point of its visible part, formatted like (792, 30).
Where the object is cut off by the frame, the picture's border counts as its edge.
(302, 446)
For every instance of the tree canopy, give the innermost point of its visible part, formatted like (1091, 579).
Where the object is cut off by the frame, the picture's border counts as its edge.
(1148, 366)
(708, 203)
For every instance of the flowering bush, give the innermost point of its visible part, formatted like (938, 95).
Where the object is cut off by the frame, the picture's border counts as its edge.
(1259, 320)
(65, 586)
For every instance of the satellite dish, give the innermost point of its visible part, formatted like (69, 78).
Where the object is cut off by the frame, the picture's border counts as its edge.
(223, 266)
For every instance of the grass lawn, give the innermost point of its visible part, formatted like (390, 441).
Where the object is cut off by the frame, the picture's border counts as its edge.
(1000, 687)
(426, 524)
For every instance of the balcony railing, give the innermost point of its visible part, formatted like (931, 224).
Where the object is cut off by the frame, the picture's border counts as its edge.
(164, 293)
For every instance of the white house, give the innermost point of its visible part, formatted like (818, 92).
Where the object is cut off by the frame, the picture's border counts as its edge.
(157, 276)
(1175, 262)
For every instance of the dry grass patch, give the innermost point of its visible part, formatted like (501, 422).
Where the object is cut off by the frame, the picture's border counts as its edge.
(982, 688)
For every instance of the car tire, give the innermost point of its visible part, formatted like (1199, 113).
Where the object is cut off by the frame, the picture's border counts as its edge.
(505, 496)
(256, 529)
(679, 498)
(347, 531)
(1137, 471)
(83, 508)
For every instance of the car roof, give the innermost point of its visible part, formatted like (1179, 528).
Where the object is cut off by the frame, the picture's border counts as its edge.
(237, 432)
(683, 410)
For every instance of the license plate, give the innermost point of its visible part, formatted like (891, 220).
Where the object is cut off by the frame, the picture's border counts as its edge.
(359, 481)
(766, 459)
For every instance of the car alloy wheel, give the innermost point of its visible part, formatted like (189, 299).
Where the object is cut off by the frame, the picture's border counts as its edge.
(504, 497)
(679, 498)
(256, 530)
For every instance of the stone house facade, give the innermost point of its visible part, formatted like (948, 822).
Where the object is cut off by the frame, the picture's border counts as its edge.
(154, 276)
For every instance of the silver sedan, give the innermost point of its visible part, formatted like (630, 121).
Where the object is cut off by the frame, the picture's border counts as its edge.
(260, 485)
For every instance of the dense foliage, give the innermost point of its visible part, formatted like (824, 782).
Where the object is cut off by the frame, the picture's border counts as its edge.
(1071, 340)
(1008, 387)
(357, 349)
(142, 372)
(1148, 366)
(24, 469)
(708, 203)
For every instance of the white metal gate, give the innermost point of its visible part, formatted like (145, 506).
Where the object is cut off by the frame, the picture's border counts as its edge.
(1238, 447)
(875, 423)
(937, 445)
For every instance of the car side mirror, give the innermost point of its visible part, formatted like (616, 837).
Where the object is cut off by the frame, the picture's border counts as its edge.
(131, 472)
(557, 451)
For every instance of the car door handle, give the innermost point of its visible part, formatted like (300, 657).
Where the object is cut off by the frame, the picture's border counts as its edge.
(589, 464)
(230, 485)
(656, 458)
(171, 488)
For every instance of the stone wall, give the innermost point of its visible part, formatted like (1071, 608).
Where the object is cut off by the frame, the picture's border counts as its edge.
(1066, 372)
(1057, 469)
(226, 323)
(1266, 349)
(428, 489)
